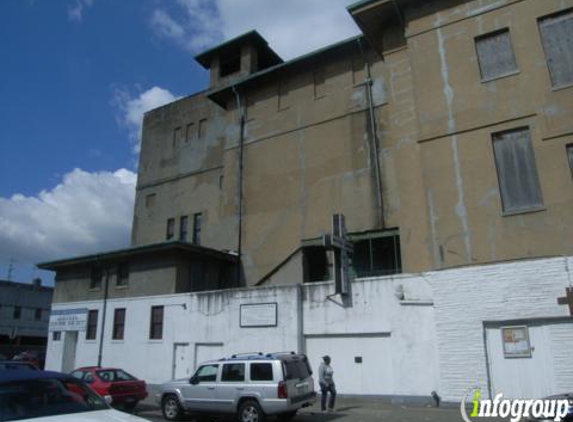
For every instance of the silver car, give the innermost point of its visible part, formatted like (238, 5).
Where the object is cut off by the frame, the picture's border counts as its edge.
(252, 386)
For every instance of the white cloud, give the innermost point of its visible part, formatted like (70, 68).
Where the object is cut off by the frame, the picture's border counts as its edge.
(76, 10)
(291, 27)
(133, 108)
(85, 213)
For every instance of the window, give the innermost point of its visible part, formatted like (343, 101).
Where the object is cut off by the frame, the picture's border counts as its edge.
(230, 65)
(377, 255)
(17, 313)
(156, 326)
(56, 335)
(197, 220)
(233, 372)
(557, 38)
(202, 128)
(570, 157)
(358, 67)
(319, 82)
(189, 132)
(176, 137)
(516, 171)
(183, 228)
(495, 55)
(122, 274)
(261, 372)
(206, 373)
(170, 228)
(37, 314)
(96, 277)
(150, 200)
(118, 324)
(315, 264)
(92, 325)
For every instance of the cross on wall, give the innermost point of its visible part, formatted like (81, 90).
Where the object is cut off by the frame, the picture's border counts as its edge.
(343, 249)
(567, 299)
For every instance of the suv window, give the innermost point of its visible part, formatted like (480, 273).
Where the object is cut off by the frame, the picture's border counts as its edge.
(207, 373)
(296, 368)
(261, 372)
(233, 372)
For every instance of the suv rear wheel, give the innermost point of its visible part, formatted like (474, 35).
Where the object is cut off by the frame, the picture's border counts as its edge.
(171, 408)
(250, 411)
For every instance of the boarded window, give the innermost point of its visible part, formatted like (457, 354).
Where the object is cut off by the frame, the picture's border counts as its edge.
(377, 255)
(570, 157)
(122, 274)
(118, 324)
(91, 329)
(156, 323)
(557, 37)
(319, 83)
(170, 229)
(516, 170)
(315, 264)
(495, 55)
(183, 228)
(197, 222)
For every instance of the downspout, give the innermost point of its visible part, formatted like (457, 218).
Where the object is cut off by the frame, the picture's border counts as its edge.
(374, 136)
(300, 319)
(241, 150)
(101, 337)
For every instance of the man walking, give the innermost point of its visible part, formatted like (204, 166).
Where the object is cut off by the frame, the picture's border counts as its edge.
(326, 382)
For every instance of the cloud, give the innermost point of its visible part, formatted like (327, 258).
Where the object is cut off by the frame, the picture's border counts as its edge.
(85, 213)
(291, 27)
(132, 108)
(75, 11)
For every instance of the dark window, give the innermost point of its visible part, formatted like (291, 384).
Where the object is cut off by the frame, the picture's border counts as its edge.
(56, 335)
(495, 55)
(202, 128)
(92, 325)
(377, 256)
(183, 228)
(176, 137)
(297, 368)
(516, 171)
(156, 326)
(230, 65)
(261, 372)
(122, 274)
(170, 228)
(96, 277)
(189, 132)
(197, 220)
(17, 314)
(557, 37)
(570, 157)
(233, 372)
(118, 323)
(38, 314)
(315, 264)
(207, 373)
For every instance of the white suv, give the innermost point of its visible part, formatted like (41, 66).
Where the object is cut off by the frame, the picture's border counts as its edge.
(249, 385)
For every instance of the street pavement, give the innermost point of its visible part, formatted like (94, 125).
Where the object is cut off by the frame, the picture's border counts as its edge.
(348, 409)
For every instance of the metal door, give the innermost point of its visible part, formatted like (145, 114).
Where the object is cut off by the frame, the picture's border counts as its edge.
(181, 364)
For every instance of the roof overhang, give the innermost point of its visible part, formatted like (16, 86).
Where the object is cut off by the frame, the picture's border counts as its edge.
(176, 247)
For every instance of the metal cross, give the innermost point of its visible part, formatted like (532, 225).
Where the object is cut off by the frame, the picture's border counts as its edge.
(343, 249)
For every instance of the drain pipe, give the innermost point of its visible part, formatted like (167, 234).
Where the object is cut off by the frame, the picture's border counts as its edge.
(241, 148)
(104, 311)
(374, 137)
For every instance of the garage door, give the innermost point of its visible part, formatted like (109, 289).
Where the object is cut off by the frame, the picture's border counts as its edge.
(207, 351)
(361, 363)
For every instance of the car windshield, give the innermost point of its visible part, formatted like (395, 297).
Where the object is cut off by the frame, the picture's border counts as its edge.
(36, 398)
(114, 375)
(296, 368)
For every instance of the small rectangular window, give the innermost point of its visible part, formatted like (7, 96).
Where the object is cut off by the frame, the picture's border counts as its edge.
(378, 255)
(202, 130)
(170, 229)
(319, 83)
(261, 372)
(150, 200)
(183, 228)
(118, 324)
(516, 171)
(56, 335)
(570, 157)
(37, 314)
(176, 137)
(233, 372)
(495, 55)
(189, 132)
(315, 264)
(91, 329)
(230, 65)
(156, 325)
(122, 274)
(197, 221)
(17, 313)
(557, 38)
(96, 277)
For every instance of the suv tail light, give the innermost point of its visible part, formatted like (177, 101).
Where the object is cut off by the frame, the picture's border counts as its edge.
(282, 390)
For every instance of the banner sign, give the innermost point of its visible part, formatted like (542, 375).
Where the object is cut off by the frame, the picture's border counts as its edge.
(68, 319)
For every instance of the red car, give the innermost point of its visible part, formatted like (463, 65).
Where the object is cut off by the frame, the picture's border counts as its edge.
(124, 389)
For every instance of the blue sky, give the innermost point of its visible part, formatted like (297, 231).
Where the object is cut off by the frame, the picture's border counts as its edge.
(75, 79)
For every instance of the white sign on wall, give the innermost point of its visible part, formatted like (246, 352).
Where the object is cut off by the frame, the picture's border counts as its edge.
(68, 319)
(259, 315)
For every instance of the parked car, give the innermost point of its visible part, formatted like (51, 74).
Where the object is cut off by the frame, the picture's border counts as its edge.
(16, 364)
(124, 389)
(567, 418)
(252, 386)
(35, 358)
(43, 396)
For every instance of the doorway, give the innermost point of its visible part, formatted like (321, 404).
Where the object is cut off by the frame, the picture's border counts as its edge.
(181, 367)
(69, 354)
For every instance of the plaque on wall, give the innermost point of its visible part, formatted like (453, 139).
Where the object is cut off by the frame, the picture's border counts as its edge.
(68, 319)
(259, 315)
(516, 342)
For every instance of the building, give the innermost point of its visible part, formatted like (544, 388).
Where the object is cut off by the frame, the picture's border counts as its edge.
(443, 134)
(24, 316)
